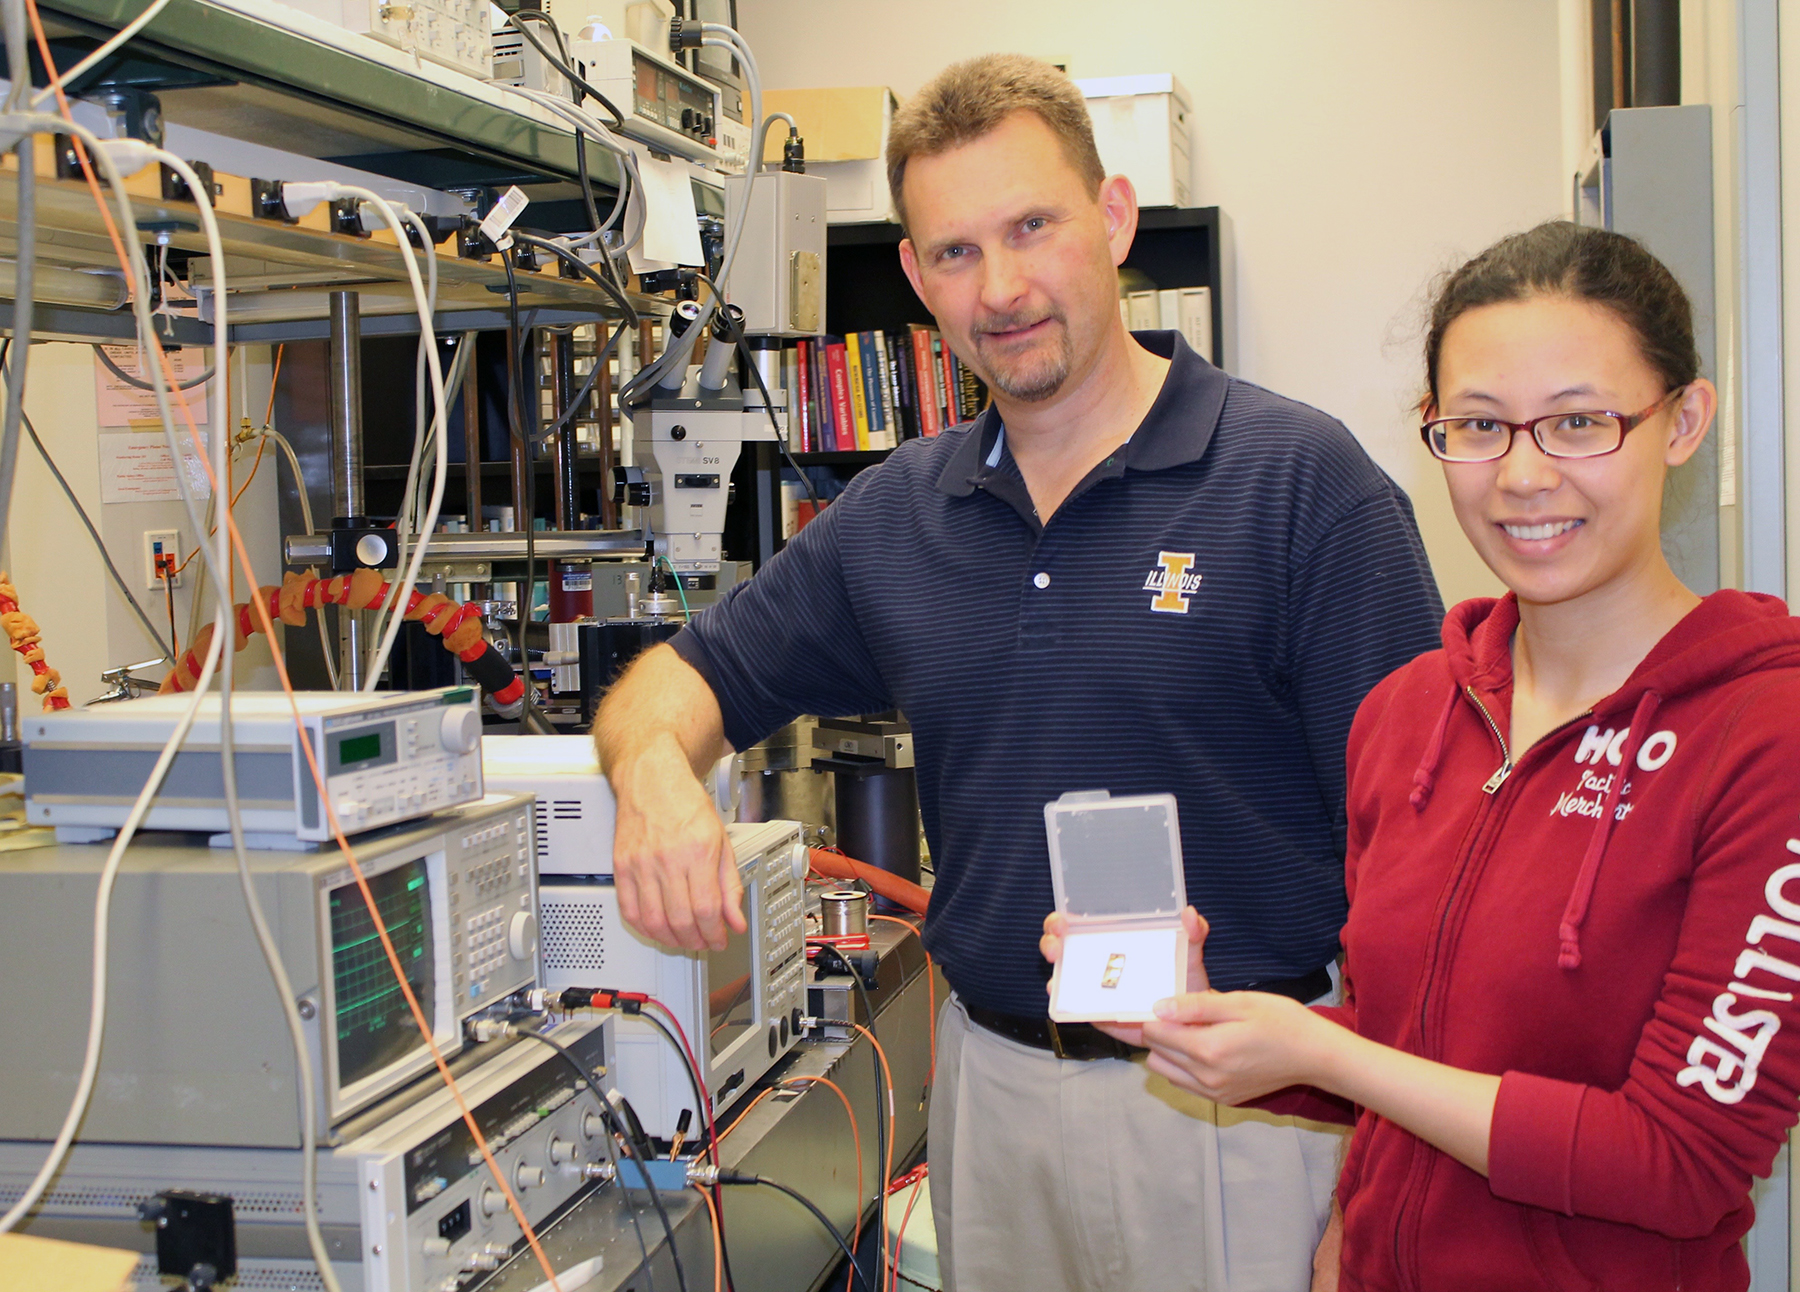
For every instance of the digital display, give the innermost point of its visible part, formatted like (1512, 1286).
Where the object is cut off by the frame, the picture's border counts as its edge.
(359, 749)
(362, 747)
(375, 1027)
(731, 994)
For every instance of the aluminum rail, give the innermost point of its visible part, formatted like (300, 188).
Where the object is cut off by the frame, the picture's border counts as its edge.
(549, 544)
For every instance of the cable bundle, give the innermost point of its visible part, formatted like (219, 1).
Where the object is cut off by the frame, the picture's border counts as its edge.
(457, 625)
(22, 632)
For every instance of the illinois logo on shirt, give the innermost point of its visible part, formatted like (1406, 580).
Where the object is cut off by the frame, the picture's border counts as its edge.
(1174, 580)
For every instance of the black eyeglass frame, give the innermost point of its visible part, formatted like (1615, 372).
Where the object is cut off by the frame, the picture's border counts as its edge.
(1627, 424)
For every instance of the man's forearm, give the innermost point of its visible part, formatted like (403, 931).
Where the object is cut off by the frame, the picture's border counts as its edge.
(659, 707)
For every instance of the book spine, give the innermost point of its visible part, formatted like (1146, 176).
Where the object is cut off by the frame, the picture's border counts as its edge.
(842, 411)
(884, 369)
(952, 404)
(859, 392)
(800, 398)
(825, 434)
(905, 403)
(924, 389)
(871, 375)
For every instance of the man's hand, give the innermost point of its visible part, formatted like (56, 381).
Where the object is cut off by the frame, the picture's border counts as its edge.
(672, 860)
(657, 730)
(1051, 945)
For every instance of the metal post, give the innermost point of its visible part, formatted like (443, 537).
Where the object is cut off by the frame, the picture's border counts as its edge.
(348, 502)
(603, 413)
(471, 402)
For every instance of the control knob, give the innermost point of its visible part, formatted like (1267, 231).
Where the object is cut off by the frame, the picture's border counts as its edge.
(521, 937)
(492, 1202)
(528, 1177)
(459, 731)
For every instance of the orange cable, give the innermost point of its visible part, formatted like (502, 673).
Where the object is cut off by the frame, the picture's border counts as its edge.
(856, 1138)
(887, 1167)
(268, 627)
(262, 612)
(274, 376)
(900, 1234)
(930, 985)
(718, 1238)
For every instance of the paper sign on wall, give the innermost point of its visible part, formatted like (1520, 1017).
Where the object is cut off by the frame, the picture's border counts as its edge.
(122, 404)
(134, 467)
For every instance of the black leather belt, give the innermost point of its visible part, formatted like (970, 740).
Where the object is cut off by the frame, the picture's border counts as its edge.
(1085, 1041)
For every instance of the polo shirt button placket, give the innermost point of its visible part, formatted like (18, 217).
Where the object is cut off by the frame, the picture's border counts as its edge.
(1040, 580)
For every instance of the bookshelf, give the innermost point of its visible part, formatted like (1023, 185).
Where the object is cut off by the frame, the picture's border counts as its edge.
(866, 290)
(1175, 247)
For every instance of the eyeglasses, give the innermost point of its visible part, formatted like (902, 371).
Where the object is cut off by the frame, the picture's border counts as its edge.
(1559, 435)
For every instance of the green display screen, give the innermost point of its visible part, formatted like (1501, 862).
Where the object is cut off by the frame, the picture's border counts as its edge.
(357, 749)
(374, 1024)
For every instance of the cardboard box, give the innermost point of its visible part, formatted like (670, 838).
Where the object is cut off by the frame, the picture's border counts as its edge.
(846, 134)
(1141, 130)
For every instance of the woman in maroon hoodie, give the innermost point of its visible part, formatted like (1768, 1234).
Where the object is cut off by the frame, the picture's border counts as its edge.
(1569, 1038)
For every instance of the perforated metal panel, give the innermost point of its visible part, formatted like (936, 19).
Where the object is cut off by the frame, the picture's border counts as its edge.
(252, 1276)
(574, 936)
(124, 1201)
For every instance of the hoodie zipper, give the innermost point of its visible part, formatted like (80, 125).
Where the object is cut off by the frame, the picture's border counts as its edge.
(1498, 779)
(1490, 787)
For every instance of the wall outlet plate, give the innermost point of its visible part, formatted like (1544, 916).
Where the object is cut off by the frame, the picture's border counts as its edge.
(165, 543)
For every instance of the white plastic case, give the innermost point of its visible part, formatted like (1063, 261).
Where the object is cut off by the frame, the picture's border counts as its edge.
(1116, 867)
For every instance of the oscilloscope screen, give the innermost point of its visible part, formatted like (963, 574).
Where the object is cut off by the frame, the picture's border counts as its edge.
(374, 1026)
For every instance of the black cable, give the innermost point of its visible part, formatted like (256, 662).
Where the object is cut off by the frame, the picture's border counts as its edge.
(701, 1109)
(836, 1235)
(781, 441)
(606, 1117)
(574, 77)
(139, 383)
(515, 415)
(586, 270)
(99, 543)
(884, 1097)
(681, 1054)
(644, 1153)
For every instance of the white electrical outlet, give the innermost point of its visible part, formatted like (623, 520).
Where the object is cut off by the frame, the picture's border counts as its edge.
(164, 543)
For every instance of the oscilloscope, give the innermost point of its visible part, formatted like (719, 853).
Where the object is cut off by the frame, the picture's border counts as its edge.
(196, 1048)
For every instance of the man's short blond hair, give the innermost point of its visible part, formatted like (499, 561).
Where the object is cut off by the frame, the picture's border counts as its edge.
(967, 100)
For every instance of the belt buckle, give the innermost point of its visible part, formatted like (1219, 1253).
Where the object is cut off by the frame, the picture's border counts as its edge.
(1056, 1046)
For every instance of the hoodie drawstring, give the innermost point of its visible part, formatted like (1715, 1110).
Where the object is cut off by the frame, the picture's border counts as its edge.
(1575, 914)
(1426, 774)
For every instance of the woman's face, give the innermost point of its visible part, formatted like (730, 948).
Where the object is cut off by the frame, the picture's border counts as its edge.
(1557, 529)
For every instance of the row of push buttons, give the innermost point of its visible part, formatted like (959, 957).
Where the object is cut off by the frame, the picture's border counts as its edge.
(492, 876)
(480, 837)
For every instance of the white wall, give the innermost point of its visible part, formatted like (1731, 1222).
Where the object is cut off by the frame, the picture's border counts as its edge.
(87, 627)
(1358, 148)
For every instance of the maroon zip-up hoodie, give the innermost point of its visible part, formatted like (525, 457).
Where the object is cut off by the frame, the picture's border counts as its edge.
(1611, 921)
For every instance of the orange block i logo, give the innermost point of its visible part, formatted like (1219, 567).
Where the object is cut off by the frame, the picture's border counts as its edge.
(1173, 581)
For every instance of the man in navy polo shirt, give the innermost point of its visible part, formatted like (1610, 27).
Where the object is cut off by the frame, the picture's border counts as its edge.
(1132, 573)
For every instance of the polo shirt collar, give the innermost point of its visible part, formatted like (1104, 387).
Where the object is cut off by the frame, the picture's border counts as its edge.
(1175, 431)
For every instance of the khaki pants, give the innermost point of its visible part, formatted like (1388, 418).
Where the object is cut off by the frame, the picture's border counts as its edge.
(1053, 1175)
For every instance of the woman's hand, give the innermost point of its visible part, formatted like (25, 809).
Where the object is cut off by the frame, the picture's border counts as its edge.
(1237, 1046)
(1051, 944)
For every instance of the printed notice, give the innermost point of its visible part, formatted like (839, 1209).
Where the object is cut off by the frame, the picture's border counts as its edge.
(134, 467)
(123, 404)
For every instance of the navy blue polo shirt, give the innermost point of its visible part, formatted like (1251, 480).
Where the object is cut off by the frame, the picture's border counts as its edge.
(1202, 616)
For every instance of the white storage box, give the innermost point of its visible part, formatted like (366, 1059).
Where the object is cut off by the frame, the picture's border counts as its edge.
(1141, 130)
(1116, 867)
(846, 134)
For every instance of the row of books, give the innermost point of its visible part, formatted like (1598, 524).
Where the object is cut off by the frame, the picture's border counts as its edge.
(870, 390)
(1187, 310)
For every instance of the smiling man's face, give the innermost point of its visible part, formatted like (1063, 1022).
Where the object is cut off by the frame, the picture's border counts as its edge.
(1014, 256)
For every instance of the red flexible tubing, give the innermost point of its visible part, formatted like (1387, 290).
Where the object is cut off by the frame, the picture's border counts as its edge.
(835, 865)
